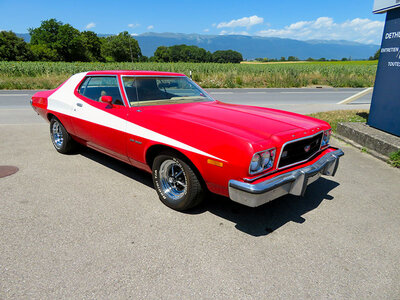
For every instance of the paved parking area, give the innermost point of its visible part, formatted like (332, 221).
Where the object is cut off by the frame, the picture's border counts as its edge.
(88, 226)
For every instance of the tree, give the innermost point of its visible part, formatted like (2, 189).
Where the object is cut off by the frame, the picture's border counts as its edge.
(46, 33)
(175, 53)
(144, 58)
(13, 47)
(187, 53)
(64, 39)
(92, 45)
(43, 53)
(162, 54)
(377, 53)
(121, 47)
(193, 54)
(293, 58)
(69, 44)
(227, 56)
(182, 53)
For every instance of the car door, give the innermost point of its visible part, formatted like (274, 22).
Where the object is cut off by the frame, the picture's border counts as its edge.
(101, 125)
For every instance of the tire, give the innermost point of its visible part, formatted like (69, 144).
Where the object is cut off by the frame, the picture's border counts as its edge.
(60, 138)
(180, 191)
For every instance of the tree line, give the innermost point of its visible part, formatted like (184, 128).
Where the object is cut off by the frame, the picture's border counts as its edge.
(195, 54)
(55, 41)
(294, 58)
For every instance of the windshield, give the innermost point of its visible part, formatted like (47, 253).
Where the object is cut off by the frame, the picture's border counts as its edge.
(162, 90)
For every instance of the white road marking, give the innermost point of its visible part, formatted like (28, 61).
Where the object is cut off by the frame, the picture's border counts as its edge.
(222, 93)
(356, 96)
(27, 109)
(24, 124)
(349, 92)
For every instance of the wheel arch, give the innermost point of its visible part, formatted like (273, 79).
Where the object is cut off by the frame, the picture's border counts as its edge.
(63, 119)
(51, 116)
(60, 118)
(153, 151)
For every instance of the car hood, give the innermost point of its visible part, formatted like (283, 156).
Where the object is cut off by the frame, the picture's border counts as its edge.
(247, 122)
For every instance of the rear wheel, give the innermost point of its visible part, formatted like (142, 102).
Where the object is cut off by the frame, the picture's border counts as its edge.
(176, 183)
(60, 138)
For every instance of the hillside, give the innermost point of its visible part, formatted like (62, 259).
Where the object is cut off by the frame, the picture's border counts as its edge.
(254, 46)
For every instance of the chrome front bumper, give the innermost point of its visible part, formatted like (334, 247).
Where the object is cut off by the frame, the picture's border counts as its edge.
(293, 182)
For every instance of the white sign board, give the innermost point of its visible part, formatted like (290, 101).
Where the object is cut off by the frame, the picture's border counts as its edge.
(381, 6)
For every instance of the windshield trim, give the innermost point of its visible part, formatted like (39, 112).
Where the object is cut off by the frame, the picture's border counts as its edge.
(139, 103)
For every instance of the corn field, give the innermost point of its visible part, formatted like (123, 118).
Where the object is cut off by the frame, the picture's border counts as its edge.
(45, 75)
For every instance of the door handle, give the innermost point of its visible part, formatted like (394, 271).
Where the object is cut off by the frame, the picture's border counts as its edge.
(79, 104)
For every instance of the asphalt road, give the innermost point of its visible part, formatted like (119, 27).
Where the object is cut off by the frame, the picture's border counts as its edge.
(88, 226)
(15, 108)
(300, 100)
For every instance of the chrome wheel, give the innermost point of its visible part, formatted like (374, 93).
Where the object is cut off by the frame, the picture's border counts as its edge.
(176, 183)
(60, 137)
(57, 134)
(173, 179)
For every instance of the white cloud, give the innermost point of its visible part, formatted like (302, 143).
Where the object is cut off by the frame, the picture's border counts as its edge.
(133, 25)
(150, 27)
(206, 30)
(298, 25)
(324, 28)
(134, 34)
(323, 22)
(243, 22)
(90, 25)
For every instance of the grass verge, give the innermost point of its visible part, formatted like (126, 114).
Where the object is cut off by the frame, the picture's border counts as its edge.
(24, 82)
(394, 159)
(336, 116)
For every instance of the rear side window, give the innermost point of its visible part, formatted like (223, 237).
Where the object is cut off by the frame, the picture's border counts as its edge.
(93, 87)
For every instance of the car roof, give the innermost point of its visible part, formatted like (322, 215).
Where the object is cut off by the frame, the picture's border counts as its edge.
(134, 73)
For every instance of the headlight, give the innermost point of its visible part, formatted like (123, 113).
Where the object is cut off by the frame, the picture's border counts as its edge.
(326, 137)
(262, 161)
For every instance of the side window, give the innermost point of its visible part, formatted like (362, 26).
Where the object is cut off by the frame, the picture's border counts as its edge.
(130, 88)
(93, 87)
(82, 88)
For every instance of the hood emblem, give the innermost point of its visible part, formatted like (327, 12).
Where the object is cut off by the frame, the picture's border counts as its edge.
(307, 148)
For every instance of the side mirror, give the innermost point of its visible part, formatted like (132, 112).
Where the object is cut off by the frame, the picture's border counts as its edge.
(106, 99)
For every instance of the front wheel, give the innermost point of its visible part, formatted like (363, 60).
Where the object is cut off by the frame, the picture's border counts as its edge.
(176, 183)
(60, 138)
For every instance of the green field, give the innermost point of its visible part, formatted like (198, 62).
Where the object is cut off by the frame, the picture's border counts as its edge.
(46, 75)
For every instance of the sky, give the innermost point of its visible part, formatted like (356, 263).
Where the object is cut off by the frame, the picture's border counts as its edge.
(350, 20)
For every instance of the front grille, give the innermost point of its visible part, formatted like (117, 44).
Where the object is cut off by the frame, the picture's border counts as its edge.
(296, 151)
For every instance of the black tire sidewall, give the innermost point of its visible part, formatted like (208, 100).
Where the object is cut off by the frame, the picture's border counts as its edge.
(191, 193)
(65, 147)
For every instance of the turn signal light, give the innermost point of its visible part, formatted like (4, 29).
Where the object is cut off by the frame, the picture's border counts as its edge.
(215, 163)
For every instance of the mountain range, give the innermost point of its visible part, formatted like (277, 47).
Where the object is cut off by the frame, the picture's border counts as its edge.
(255, 46)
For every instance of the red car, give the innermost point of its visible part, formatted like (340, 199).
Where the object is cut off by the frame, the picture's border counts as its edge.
(166, 124)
